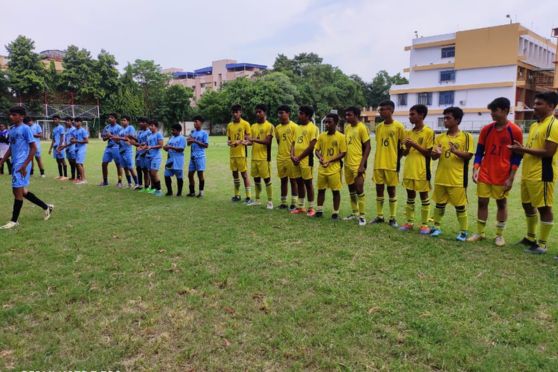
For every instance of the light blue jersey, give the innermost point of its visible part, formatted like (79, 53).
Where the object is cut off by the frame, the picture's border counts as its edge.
(153, 140)
(113, 129)
(198, 151)
(176, 158)
(58, 135)
(125, 132)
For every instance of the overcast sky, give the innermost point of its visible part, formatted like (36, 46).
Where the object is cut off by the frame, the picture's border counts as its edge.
(359, 36)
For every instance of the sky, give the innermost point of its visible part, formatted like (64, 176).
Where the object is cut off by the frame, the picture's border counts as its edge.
(359, 36)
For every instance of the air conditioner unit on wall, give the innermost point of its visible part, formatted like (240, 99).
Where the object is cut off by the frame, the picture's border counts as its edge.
(462, 102)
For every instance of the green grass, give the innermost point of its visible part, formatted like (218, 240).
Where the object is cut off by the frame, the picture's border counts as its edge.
(122, 280)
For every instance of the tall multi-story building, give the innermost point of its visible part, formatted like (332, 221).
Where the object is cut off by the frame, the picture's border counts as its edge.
(214, 76)
(470, 68)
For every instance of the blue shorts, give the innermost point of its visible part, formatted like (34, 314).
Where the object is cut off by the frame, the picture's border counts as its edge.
(196, 164)
(70, 153)
(58, 155)
(38, 152)
(153, 163)
(110, 154)
(17, 179)
(179, 173)
(139, 160)
(80, 155)
(126, 159)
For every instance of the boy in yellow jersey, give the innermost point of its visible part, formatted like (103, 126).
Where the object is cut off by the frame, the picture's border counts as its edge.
(418, 144)
(261, 135)
(454, 149)
(539, 171)
(306, 135)
(389, 136)
(330, 149)
(358, 150)
(238, 132)
(284, 134)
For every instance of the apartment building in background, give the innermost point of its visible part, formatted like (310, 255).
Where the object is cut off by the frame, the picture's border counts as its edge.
(213, 77)
(470, 68)
(54, 55)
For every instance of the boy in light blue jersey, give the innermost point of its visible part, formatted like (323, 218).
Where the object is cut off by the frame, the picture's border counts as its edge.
(198, 142)
(141, 155)
(80, 140)
(140, 138)
(22, 150)
(112, 153)
(175, 162)
(57, 141)
(153, 148)
(69, 147)
(37, 133)
(124, 138)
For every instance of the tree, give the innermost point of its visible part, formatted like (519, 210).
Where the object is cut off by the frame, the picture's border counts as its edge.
(271, 89)
(26, 73)
(5, 96)
(318, 84)
(213, 107)
(298, 64)
(105, 69)
(126, 99)
(380, 86)
(152, 83)
(175, 105)
(79, 77)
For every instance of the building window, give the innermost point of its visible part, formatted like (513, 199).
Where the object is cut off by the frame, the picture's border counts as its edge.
(425, 99)
(448, 52)
(447, 76)
(441, 123)
(402, 99)
(446, 98)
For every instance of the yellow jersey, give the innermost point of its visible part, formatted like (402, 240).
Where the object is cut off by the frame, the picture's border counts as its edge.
(355, 137)
(452, 170)
(388, 145)
(417, 166)
(536, 168)
(304, 134)
(285, 137)
(260, 131)
(237, 132)
(330, 146)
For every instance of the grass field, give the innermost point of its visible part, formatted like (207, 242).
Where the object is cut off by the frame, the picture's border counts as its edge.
(124, 281)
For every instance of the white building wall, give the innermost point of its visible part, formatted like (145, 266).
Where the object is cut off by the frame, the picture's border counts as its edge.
(536, 52)
(428, 56)
(431, 78)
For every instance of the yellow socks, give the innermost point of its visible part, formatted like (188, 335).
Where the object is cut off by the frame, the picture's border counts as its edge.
(269, 191)
(481, 226)
(425, 212)
(462, 217)
(236, 187)
(354, 202)
(361, 204)
(439, 213)
(532, 221)
(392, 207)
(410, 211)
(380, 207)
(544, 232)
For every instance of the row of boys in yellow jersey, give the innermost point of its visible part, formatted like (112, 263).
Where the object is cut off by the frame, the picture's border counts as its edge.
(498, 156)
